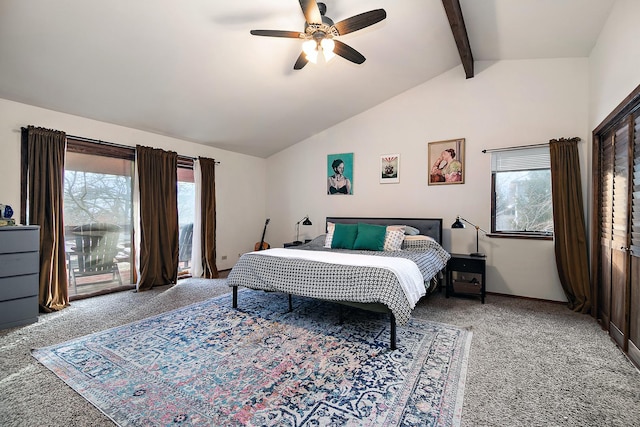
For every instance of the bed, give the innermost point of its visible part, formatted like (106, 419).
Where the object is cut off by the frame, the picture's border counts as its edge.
(379, 284)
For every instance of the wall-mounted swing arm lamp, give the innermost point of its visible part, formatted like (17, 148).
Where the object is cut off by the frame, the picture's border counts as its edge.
(460, 224)
(304, 221)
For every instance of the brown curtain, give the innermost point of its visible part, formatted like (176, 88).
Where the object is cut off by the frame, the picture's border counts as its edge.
(45, 165)
(208, 171)
(569, 225)
(157, 183)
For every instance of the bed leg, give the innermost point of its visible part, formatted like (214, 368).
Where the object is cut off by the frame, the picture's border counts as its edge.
(234, 304)
(392, 344)
(290, 304)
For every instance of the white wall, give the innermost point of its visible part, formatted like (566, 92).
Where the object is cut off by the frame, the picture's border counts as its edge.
(507, 103)
(613, 68)
(240, 180)
(614, 61)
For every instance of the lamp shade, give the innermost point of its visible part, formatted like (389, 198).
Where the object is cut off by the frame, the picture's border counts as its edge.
(307, 222)
(457, 224)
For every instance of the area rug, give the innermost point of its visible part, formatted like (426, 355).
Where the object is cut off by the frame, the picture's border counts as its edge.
(322, 364)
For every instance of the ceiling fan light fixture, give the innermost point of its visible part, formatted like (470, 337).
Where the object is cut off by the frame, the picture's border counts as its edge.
(310, 48)
(327, 49)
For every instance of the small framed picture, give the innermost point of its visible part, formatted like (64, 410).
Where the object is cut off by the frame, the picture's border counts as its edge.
(389, 168)
(446, 162)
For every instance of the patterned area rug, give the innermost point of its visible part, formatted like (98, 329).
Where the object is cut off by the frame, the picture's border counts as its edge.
(322, 364)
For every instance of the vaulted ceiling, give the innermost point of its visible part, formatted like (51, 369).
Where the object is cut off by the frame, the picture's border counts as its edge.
(190, 69)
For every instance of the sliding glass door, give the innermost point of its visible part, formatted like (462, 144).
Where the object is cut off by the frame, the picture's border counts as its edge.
(98, 218)
(186, 215)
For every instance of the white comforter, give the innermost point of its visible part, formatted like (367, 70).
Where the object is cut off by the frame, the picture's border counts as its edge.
(406, 271)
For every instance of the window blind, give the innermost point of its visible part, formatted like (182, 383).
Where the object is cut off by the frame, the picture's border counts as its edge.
(520, 159)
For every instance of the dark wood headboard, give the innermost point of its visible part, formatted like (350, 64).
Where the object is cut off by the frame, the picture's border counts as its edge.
(427, 226)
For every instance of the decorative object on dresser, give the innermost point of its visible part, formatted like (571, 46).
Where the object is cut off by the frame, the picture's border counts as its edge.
(459, 224)
(466, 276)
(19, 274)
(6, 213)
(304, 221)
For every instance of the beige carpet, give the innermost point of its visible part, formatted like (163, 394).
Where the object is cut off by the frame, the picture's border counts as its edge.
(531, 363)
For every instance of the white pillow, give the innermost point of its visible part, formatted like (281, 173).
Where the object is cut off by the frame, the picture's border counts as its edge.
(393, 239)
(330, 229)
(419, 237)
(411, 231)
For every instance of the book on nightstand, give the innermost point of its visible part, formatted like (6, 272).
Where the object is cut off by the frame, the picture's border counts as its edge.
(7, 221)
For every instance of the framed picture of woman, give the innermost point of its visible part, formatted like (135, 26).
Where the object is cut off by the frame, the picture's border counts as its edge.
(446, 162)
(340, 174)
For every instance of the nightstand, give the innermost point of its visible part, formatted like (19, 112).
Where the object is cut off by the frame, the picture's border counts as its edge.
(293, 244)
(466, 276)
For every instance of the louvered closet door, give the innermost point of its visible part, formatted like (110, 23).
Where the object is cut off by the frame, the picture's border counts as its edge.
(606, 227)
(618, 326)
(634, 271)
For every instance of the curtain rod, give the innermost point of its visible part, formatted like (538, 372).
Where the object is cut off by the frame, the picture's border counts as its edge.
(521, 147)
(114, 144)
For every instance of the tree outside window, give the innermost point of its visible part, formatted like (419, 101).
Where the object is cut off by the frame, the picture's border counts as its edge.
(521, 184)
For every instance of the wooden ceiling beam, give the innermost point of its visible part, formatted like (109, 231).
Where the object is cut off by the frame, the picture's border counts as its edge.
(459, 30)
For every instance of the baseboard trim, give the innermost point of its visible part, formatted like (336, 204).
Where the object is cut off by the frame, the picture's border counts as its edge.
(526, 298)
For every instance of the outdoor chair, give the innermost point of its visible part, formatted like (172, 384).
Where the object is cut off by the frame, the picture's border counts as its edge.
(96, 248)
(185, 243)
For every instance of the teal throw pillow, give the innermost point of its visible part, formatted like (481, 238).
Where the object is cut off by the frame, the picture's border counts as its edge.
(344, 236)
(370, 237)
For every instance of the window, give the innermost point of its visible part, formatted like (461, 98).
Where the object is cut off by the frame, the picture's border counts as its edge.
(521, 192)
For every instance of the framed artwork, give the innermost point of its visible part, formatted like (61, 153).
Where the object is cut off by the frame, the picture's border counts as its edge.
(340, 174)
(446, 162)
(389, 168)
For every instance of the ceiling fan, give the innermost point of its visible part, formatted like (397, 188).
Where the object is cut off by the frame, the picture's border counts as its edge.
(320, 32)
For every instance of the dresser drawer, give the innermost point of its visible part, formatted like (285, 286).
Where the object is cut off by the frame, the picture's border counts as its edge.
(19, 239)
(14, 287)
(18, 312)
(19, 264)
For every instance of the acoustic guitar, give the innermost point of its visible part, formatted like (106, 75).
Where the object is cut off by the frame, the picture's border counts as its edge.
(262, 244)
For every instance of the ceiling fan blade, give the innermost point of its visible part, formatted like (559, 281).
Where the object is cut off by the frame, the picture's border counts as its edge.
(301, 62)
(360, 21)
(311, 11)
(347, 52)
(278, 33)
